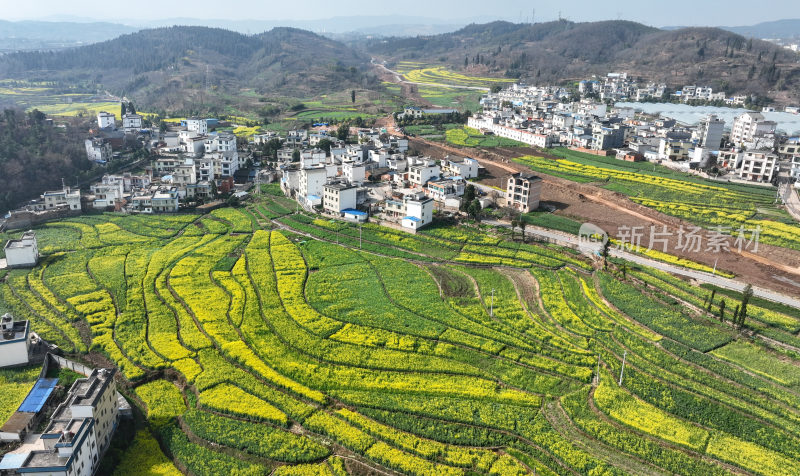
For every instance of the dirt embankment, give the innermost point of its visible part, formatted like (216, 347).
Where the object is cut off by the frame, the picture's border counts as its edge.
(771, 267)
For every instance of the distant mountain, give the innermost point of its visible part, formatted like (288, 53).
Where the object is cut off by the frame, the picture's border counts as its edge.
(563, 50)
(181, 67)
(774, 30)
(781, 29)
(39, 35)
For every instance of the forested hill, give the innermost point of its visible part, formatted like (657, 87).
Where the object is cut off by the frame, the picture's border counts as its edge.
(559, 50)
(168, 66)
(35, 156)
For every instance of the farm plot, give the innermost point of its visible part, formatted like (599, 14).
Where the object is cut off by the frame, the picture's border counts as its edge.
(453, 351)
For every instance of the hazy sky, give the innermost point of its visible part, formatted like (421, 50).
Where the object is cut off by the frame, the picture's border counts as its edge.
(664, 13)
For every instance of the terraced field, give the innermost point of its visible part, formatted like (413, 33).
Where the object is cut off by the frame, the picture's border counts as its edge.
(259, 340)
(433, 74)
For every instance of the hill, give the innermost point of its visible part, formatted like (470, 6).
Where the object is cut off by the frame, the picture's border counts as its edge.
(183, 67)
(562, 50)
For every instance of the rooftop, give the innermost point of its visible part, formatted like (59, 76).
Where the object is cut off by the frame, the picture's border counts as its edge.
(19, 331)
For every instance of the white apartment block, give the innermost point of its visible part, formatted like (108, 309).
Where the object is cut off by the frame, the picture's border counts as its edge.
(747, 127)
(194, 124)
(758, 166)
(106, 120)
(526, 137)
(311, 183)
(523, 192)
(709, 132)
(338, 197)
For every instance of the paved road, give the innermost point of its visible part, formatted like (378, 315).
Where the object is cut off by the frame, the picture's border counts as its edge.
(595, 248)
(791, 199)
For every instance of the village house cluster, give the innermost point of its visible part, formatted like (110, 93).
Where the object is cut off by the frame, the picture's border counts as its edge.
(378, 177)
(78, 430)
(751, 149)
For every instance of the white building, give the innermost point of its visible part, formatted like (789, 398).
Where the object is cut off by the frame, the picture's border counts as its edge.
(523, 192)
(442, 190)
(78, 434)
(107, 193)
(194, 124)
(353, 172)
(98, 150)
(423, 173)
(106, 120)
(14, 341)
(709, 132)
(310, 187)
(464, 167)
(62, 198)
(157, 200)
(418, 213)
(795, 168)
(758, 166)
(24, 252)
(131, 123)
(750, 125)
(338, 197)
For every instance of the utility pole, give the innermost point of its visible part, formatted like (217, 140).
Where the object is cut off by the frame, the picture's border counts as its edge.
(622, 370)
(715, 266)
(359, 236)
(491, 309)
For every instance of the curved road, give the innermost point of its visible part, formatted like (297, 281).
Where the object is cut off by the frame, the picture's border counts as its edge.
(572, 241)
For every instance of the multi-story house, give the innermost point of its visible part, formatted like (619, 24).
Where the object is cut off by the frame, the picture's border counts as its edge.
(197, 125)
(523, 192)
(421, 174)
(465, 167)
(338, 197)
(750, 125)
(131, 123)
(98, 150)
(106, 120)
(758, 166)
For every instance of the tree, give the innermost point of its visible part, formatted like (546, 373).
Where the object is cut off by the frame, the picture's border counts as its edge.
(514, 225)
(474, 209)
(747, 293)
(122, 109)
(722, 310)
(131, 109)
(296, 155)
(604, 253)
(467, 198)
(711, 299)
(522, 225)
(343, 131)
(353, 96)
(735, 314)
(325, 144)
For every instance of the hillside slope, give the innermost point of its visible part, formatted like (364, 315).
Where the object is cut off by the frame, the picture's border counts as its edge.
(178, 66)
(561, 50)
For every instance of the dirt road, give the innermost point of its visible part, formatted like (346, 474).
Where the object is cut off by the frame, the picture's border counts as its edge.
(771, 267)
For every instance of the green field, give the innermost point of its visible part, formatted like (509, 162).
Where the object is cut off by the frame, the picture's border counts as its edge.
(256, 339)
